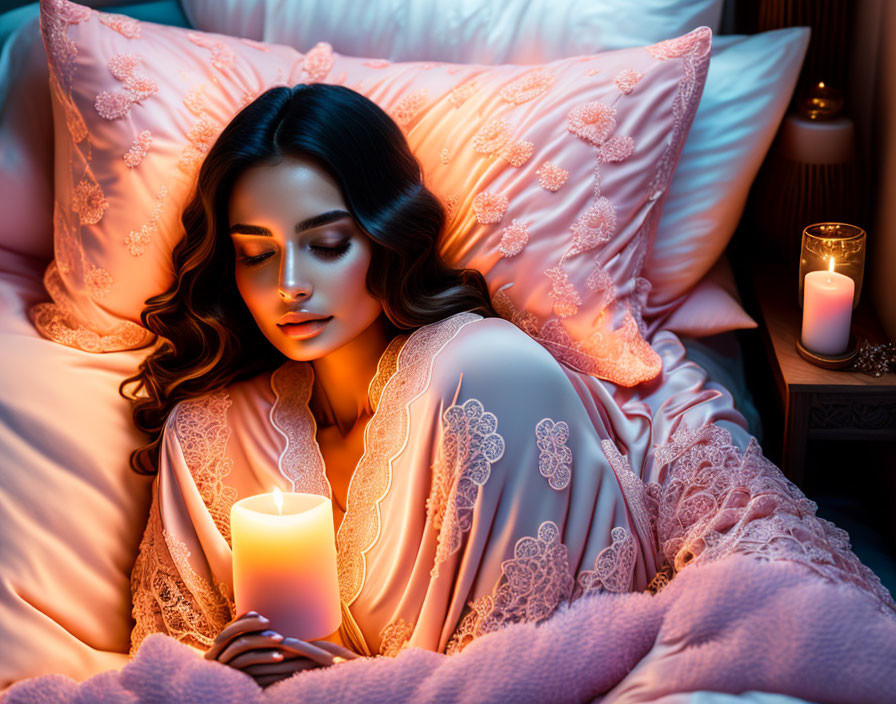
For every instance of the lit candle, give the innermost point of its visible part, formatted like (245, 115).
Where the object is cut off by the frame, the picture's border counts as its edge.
(284, 562)
(827, 311)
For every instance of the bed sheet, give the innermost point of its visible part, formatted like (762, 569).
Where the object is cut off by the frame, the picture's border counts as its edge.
(722, 356)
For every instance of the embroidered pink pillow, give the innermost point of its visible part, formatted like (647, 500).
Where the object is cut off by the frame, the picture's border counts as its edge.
(553, 176)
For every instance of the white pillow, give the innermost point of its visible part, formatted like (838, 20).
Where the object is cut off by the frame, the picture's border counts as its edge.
(748, 88)
(460, 31)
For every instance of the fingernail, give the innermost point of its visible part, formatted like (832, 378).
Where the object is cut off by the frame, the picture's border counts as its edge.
(263, 619)
(337, 659)
(278, 656)
(251, 613)
(273, 635)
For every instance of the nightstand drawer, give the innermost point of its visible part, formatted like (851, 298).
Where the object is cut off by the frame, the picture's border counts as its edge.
(848, 416)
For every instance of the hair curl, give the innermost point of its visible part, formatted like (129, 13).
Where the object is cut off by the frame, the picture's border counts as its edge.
(206, 337)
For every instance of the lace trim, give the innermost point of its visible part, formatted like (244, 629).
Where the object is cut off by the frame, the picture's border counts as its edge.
(692, 48)
(621, 356)
(385, 368)
(92, 330)
(318, 61)
(58, 321)
(301, 461)
(531, 586)
(395, 636)
(470, 444)
(202, 430)
(167, 594)
(384, 438)
(55, 21)
(716, 500)
(538, 578)
(637, 499)
(216, 603)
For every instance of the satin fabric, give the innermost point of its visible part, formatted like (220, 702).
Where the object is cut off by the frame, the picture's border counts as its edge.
(496, 483)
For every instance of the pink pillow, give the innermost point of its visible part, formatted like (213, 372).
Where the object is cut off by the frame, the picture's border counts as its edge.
(711, 307)
(553, 176)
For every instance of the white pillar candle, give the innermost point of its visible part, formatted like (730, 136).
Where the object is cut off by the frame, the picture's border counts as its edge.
(284, 562)
(827, 311)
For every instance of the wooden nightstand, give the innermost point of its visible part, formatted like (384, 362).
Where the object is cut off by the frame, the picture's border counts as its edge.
(819, 403)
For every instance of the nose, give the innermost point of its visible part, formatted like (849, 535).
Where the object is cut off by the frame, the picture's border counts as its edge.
(292, 285)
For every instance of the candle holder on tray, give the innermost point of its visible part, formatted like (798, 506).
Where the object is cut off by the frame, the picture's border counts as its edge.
(840, 361)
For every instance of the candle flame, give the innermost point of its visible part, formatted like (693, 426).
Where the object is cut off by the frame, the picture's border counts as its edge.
(831, 266)
(278, 500)
(821, 84)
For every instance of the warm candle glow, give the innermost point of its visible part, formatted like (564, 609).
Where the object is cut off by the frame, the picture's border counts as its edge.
(278, 500)
(821, 84)
(284, 562)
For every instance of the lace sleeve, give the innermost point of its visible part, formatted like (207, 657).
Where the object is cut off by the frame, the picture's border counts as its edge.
(716, 500)
(167, 594)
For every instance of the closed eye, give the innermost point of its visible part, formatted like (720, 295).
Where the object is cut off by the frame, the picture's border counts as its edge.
(255, 260)
(334, 252)
(325, 252)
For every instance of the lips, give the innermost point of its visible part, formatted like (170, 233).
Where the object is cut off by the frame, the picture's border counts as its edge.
(309, 328)
(297, 318)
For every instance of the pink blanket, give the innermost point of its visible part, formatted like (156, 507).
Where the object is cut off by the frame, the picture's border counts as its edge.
(737, 624)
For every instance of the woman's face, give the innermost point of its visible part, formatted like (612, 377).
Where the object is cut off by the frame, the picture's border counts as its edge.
(298, 251)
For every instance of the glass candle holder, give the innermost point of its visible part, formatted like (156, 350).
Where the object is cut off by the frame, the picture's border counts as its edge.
(844, 243)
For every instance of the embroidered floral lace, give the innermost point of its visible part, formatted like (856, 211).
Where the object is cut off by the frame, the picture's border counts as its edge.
(538, 578)
(470, 444)
(168, 595)
(713, 500)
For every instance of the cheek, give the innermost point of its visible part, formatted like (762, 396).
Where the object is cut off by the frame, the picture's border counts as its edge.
(355, 275)
(252, 289)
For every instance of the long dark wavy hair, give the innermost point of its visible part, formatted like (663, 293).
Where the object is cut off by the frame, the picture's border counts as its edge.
(206, 337)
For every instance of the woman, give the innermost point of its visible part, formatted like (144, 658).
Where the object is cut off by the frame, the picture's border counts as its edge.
(314, 340)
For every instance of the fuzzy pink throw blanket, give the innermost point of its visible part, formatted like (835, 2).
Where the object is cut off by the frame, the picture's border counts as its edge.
(734, 625)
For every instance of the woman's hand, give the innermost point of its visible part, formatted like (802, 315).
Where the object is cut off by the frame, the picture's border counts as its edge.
(248, 645)
(298, 655)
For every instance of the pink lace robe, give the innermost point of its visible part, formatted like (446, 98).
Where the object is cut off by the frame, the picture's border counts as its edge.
(495, 485)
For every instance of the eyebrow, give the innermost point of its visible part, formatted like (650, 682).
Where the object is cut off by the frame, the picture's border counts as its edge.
(309, 224)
